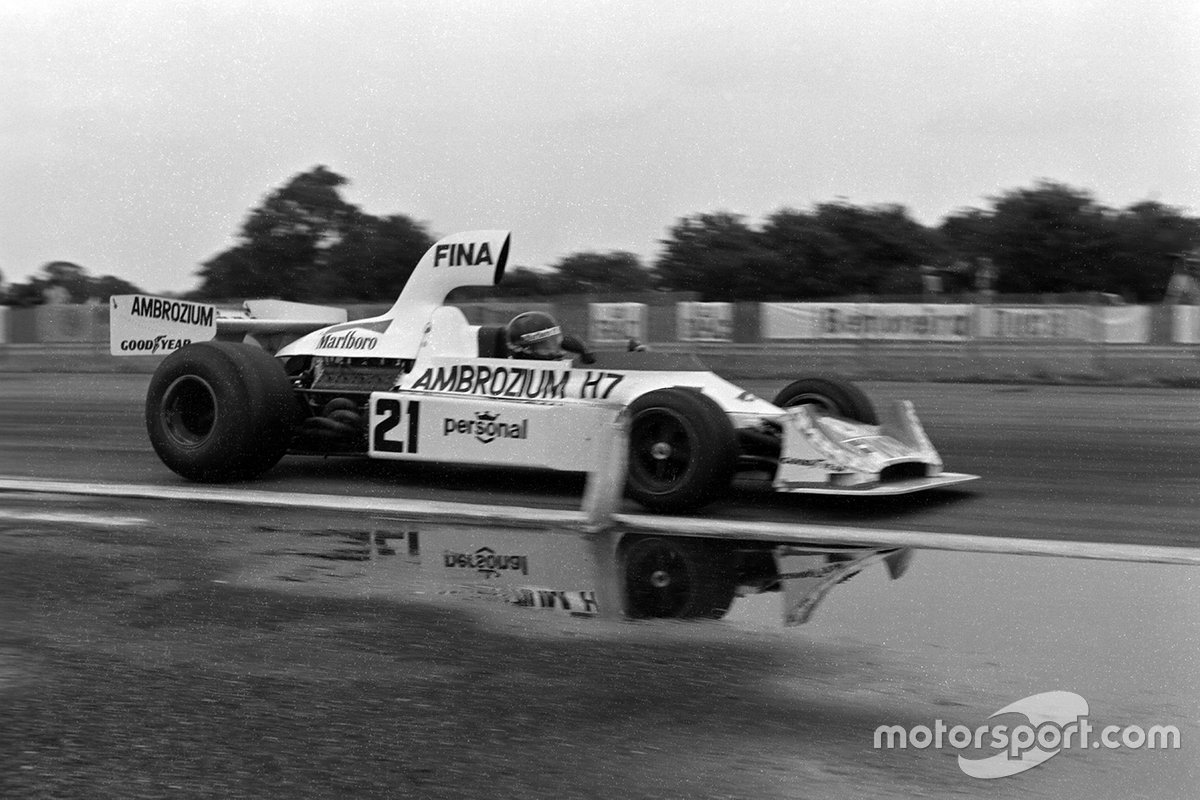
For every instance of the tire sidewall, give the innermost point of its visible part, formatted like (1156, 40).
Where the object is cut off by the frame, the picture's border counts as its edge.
(254, 415)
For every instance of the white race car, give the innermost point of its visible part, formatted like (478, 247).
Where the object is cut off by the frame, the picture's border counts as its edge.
(419, 383)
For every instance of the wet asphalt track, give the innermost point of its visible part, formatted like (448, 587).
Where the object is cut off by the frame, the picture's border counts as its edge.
(1058, 462)
(219, 651)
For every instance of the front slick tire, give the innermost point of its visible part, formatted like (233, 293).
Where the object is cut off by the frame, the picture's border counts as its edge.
(682, 450)
(831, 395)
(220, 411)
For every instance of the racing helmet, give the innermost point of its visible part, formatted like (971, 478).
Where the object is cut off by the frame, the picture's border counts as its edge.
(535, 334)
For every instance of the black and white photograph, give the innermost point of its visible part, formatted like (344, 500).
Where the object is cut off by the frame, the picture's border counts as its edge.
(597, 399)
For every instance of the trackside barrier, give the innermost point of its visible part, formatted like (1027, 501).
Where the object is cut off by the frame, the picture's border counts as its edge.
(716, 322)
(692, 321)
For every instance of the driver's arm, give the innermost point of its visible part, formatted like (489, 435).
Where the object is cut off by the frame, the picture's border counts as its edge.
(573, 344)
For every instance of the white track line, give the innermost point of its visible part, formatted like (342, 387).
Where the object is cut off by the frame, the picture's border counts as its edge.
(72, 518)
(465, 513)
(414, 509)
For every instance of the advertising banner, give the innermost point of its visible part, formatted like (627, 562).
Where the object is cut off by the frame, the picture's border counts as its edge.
(1123, 324)
(62, 323)
(704, 322)
(1045, 323)
(616, 322)
(3, 324)
(929, 322)
(1185, 325)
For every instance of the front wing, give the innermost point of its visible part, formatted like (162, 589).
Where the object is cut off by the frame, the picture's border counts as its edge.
(822, 454)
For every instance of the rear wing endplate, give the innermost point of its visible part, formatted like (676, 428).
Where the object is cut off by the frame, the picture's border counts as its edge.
(143, 325)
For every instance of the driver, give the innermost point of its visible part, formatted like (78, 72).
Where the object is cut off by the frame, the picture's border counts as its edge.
(535, 334)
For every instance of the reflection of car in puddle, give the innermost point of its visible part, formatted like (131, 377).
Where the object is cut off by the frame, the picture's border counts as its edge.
(363, 545)
(659, 576)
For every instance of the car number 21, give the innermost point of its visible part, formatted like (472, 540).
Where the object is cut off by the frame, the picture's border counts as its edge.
(390, 414)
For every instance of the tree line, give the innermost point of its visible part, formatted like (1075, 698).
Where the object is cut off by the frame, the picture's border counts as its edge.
(304, 242)
(1048, 238)
(64, 282)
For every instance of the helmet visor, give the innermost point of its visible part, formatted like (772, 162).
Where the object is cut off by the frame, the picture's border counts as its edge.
(546, 343)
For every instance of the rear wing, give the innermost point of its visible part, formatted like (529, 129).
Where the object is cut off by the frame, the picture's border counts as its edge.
(143, 325)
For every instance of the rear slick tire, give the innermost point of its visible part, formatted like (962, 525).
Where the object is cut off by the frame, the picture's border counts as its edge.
(220, 411)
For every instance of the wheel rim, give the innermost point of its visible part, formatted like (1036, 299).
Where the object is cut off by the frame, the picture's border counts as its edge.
(189, 410)
(658, 579)
(660, 449)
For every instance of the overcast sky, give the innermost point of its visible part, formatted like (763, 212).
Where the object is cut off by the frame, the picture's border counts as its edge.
(135, 136)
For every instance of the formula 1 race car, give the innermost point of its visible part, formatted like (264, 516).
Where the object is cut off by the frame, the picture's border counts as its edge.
(419, 383)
